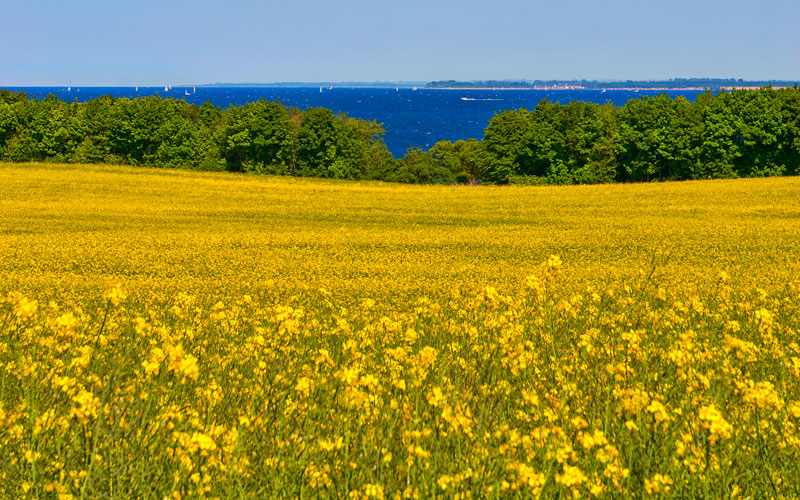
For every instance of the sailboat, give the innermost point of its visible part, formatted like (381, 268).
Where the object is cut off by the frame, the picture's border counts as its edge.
(137, 89)
(187, 93)
(414, 88)
(330, 88)
(397, 89)
(69, 89)
(166, 89)
(194, 90)
(320, 89)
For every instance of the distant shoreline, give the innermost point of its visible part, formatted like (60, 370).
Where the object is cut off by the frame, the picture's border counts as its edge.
(623, 89)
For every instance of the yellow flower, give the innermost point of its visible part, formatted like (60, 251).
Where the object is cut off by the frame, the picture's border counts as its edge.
(658, 484)
(373, 491)
(114, 293)
(764, 396)
(794, 410)
(181, 363)
(571, 477)
(153, 365)
(350, 375)
(203, 441)
(24, 308)
(712, 420)
(527, 476)
(188, 367)
(435, 396)
(326, 445)
(588, 441)
(554, 262)
(659, 411)
(304, 386)
(86, 406)
(66, 323)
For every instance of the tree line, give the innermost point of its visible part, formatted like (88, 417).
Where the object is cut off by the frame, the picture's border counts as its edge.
(743, 133)
(261, 136)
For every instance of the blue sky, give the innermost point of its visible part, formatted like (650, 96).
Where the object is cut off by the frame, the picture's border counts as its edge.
(144, 42)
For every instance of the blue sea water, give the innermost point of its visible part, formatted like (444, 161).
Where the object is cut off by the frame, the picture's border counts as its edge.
(411, 118)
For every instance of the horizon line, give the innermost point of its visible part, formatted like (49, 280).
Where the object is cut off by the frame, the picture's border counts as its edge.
(410, 83)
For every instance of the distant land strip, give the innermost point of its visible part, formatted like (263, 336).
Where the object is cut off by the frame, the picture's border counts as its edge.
(684, 84)
(672, 84)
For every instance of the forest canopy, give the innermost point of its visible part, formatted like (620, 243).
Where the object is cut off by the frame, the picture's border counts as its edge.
(742, 133)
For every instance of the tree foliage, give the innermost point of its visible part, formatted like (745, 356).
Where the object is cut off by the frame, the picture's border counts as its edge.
(261, 136)
(742, 133)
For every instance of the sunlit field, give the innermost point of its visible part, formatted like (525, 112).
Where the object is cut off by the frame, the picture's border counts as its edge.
(170, 334)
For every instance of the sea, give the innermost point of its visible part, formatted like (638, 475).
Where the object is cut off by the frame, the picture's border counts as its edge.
(411, 117)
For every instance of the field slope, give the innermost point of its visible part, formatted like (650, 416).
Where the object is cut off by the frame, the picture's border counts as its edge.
(81, 226)
(170, 334)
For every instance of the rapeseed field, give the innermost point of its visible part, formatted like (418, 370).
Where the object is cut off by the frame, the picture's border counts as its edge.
(166, 334)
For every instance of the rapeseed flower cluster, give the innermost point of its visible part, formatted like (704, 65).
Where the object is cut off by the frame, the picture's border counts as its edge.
(438, 349)
(496, 393)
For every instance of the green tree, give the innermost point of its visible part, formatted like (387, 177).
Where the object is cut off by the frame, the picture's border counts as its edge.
(680, 151)
(316, 143)
(761, 135)
(506, 142)
(270, 134)
(465, 159)
(602, 158)
(720, 149)
(8, 124)
(419, 167)
(789, 154)
(358, 142)
(644, 127)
